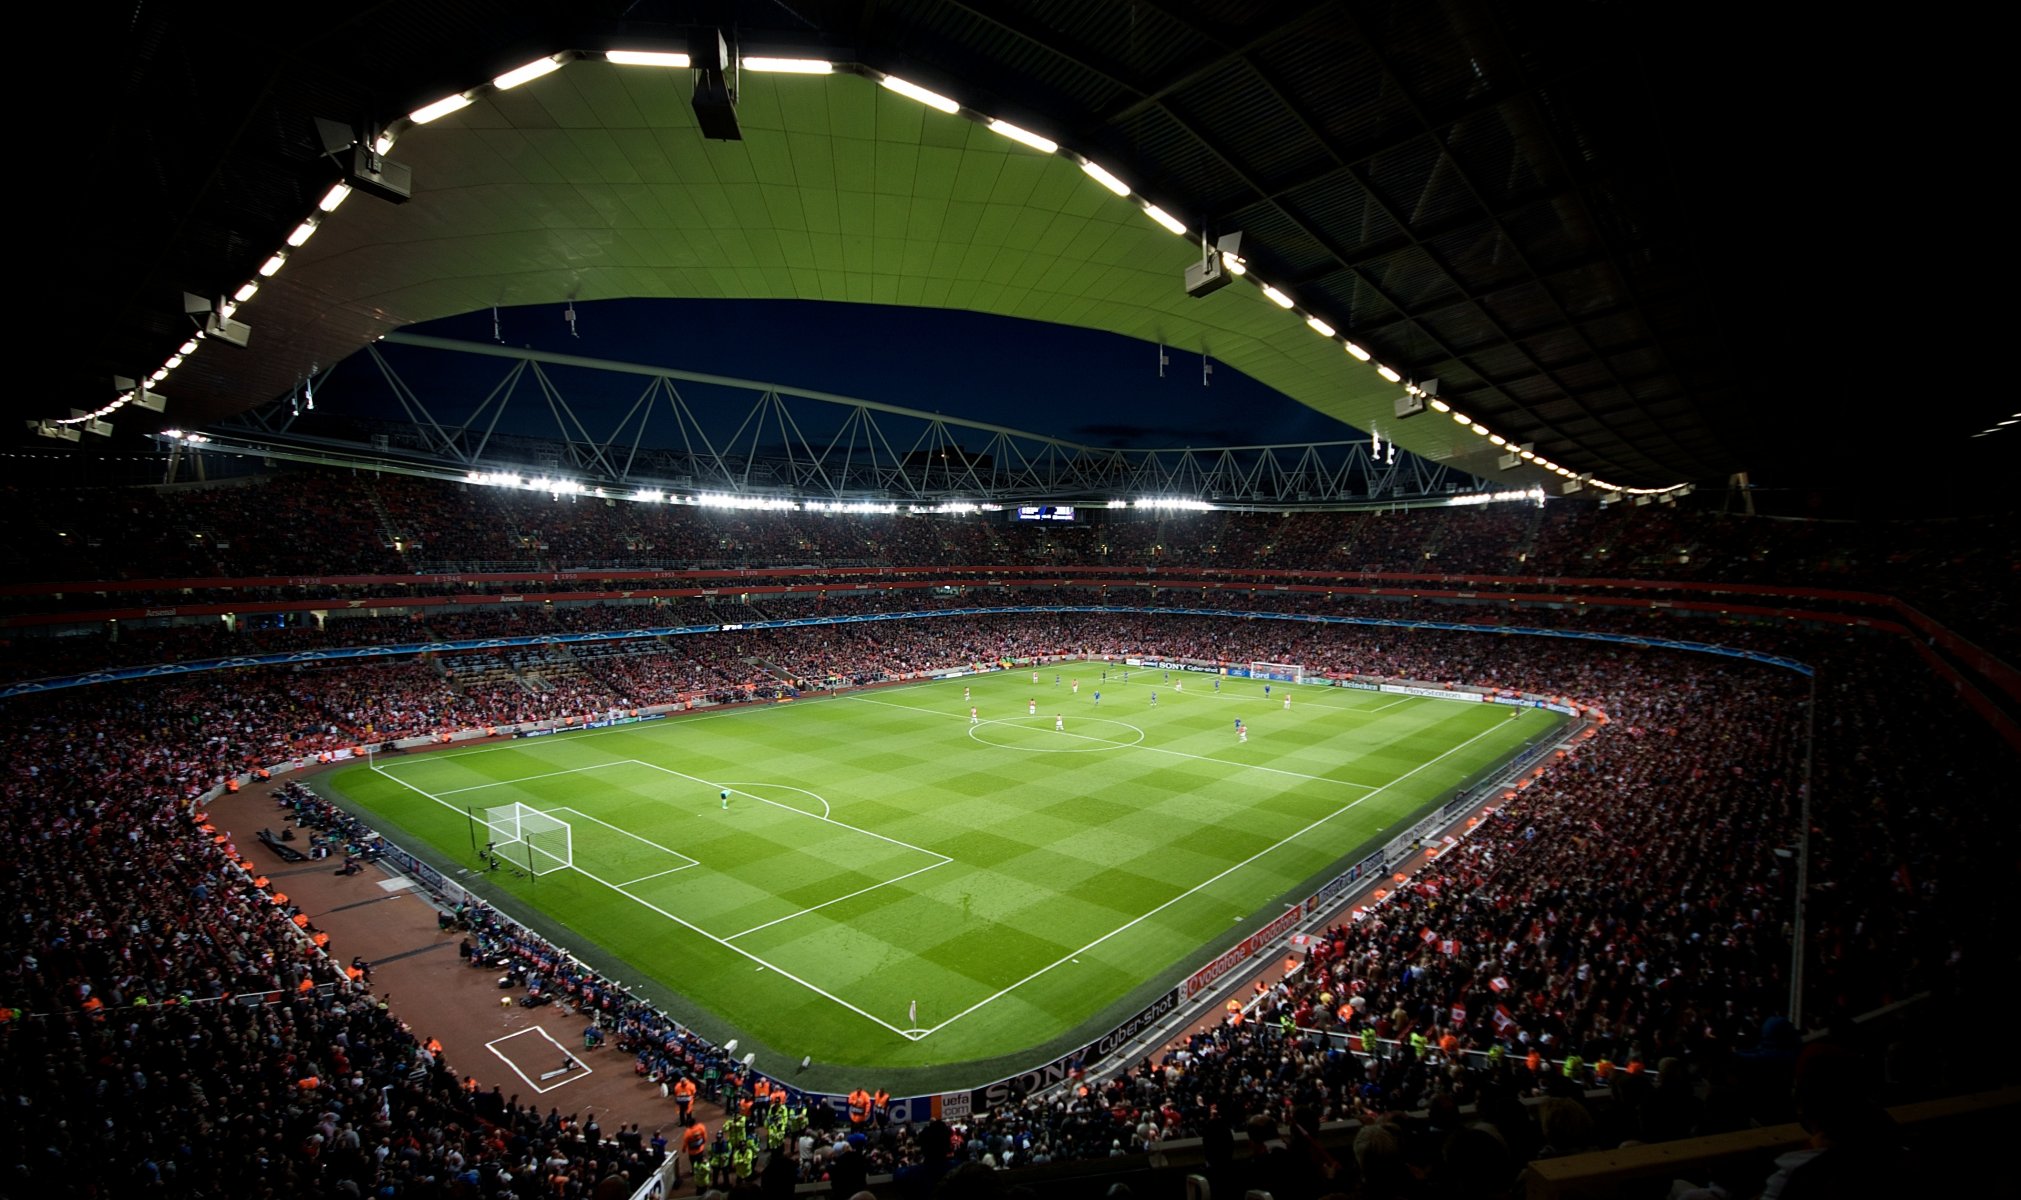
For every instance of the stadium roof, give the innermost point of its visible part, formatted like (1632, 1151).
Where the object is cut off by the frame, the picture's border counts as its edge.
(1483, 194)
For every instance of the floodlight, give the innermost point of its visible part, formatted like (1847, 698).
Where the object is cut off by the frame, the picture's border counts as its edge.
(1440, 405)
(1276, 297)
(440, 108)
(528, 73)
(363, 159)
(913, 91)
(1357, 351)
(1388, 374)
(1164, 218)
(246, 291)
(272, 265)
(1319, 327)
(788, 66)
(648, 58)
(1099, 174)
(1015, 134)
(302, 233)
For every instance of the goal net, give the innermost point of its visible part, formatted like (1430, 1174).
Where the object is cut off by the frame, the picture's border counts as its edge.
(529, 839)
(1281, 672)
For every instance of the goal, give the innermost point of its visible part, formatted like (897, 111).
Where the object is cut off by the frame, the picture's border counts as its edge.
(1281, 672)
(528, 838)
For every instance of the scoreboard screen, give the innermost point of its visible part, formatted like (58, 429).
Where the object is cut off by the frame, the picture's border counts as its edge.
(1045, 512)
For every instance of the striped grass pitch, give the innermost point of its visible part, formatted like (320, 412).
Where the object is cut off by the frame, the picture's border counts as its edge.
(1023, 884)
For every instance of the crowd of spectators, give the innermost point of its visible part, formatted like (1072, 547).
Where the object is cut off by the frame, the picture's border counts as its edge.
(313, 524)
(1629, 908)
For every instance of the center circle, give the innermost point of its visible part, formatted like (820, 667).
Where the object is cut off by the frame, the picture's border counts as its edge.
(1030, 732)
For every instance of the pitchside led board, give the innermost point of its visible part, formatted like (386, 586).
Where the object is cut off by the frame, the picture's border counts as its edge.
(1045, 512)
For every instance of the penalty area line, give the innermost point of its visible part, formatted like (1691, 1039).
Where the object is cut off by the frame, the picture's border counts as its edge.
(696, 929)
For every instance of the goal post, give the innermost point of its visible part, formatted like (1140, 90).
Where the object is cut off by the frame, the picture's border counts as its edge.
(528, 838)
(1277, 671)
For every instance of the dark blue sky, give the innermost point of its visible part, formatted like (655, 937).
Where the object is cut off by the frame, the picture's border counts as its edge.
(1051, 379)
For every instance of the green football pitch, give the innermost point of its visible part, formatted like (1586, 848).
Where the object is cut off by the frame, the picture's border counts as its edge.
(894, 887)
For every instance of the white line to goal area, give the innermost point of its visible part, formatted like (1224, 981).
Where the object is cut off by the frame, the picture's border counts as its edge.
(769, 854)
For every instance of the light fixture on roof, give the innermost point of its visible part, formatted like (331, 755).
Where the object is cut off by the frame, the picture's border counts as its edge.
(1101, 175)
(1441, 405)
(788, 66)
(912, 91)
(302, 233)
(1388, 373)
(362, 156)
(217, 318)
(1166, 219)
(1357, 351)
(1416, 396)
(528, 73)
(1026, 136)
(439, 109)
(246, 291)
(1278, 298)
(1319, 327)
(647, 58)
(272, 265)
(1217, 263)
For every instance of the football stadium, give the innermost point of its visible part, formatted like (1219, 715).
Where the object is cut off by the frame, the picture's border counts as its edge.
(952, 599)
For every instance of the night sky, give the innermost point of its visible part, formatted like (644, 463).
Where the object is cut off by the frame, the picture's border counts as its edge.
(1076, 384)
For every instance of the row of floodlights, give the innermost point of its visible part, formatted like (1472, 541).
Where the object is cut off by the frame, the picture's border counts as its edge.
(1529, 455)
(558, 487)
(1535, 494)
(1997, 426)
(549, 64)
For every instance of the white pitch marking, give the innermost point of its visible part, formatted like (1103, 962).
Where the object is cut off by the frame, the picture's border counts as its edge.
(656, 874)
(784, 787)
(478, 787)
(581, 1069)
(1151, 749)
(798, 811)
(839, 899)
(628, 833)
(1069, 956)
(696, 929)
